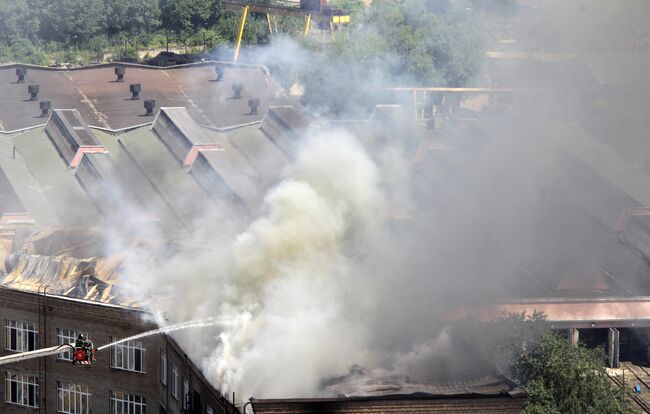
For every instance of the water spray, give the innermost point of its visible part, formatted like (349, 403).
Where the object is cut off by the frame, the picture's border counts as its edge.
(59, 349)
(199, 323)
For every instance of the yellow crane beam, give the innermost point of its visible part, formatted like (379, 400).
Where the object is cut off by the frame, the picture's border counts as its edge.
(240, 33)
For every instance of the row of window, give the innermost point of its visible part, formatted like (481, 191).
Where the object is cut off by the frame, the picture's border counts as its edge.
(174, 377)
(22, 336)
(22, 390)
(175, 382)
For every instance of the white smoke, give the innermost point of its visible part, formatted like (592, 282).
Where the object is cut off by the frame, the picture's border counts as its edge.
(295, 282)
(292, 283)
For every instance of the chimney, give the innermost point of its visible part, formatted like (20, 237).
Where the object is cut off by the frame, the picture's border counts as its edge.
(254, 104)
(21, 72)
(149, 105)
(45, 108)
(237, 88)
(135, 90)
(218, 69)
(120, 71)
(33, 92)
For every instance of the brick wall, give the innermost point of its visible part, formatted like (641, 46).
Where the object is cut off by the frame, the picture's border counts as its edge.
(102, 323)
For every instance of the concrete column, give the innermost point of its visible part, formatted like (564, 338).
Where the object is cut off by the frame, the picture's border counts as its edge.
(613, 348)
(574, 336)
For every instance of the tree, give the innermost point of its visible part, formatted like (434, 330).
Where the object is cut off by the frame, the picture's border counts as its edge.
(132, 17)
(73, 21)
(395, 42)
(186, 16)
(561, 378)
(18, 20)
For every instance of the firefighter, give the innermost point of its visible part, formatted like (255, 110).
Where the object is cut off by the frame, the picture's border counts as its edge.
(79, 343)
(88, 348)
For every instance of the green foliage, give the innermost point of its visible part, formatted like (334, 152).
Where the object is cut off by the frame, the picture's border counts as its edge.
(73, 21)
(186, 16)
(395, 42)
(354, 7)
(561, 378)
(133, 17)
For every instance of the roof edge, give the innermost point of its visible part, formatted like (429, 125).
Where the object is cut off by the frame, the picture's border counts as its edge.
(138, 65)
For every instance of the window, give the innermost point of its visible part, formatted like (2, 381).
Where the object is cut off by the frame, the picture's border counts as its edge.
(186, 394)
(124, 403)
(21, 389)
(163, 367)
(73, 398)
(174, 383)
(20, 336)
(67, 336)
(128, 356)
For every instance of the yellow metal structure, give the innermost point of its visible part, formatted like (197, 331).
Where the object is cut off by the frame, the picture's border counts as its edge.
(268, 9)
(307, 24)
(240, 34)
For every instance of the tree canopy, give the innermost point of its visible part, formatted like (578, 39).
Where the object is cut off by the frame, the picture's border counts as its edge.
(562, 378)
(394, 42)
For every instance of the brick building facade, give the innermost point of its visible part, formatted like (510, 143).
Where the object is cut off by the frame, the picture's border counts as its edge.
(151, 375)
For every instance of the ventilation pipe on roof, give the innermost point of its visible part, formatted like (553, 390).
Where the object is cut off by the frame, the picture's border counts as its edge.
(254, 104)
(33, 92)
(21, 72)
(149, 105)
(135, 90)
(218, 69)
(237, 88)
(45, 108)
(120, 71)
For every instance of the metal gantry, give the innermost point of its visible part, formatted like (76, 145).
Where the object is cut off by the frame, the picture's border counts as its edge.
(331, 17)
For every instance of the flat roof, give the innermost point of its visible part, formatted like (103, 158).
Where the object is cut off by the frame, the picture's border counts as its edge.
(104, 102)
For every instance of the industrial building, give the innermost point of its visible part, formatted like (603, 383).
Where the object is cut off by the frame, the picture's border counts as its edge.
(81, 148)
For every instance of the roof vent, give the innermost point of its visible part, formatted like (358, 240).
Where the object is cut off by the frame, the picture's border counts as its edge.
(150, 105)
(218, 69)
(45, 108)
(237, 88)
(21, 72)
(135, 89)
(254, 104)
(120, 71)
(33, 92)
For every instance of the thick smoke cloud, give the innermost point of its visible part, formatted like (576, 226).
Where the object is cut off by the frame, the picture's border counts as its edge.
(321, 278)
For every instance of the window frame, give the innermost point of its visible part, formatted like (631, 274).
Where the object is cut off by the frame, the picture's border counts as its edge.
(26, 385)
(24, 331)
(186, 393)
(174, 381)
(124, 356)
(163, 367)
(78, 392)
(67, 355)
(127, 402)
